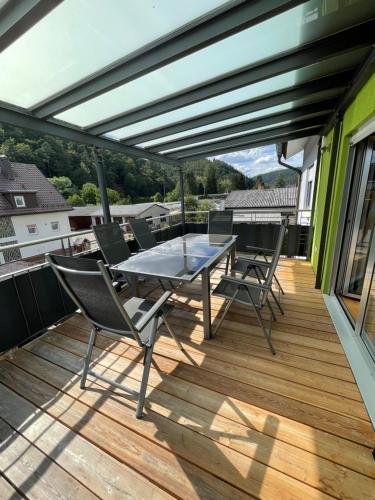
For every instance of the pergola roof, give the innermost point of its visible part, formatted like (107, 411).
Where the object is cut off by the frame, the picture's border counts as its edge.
(159, 80)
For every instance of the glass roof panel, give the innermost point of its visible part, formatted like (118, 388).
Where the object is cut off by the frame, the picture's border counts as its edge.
(230, 136)
(290, 29)
(259, 89)
(226, 123)
(80, 37)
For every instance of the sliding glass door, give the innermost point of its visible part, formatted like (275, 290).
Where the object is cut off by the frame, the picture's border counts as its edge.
(355, 285)
(366, 329)
(363, 222)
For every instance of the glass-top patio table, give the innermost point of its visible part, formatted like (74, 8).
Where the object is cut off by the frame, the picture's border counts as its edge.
(183, 259)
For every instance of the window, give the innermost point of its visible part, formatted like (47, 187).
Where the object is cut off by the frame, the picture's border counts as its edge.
(32, 229)
(308, 194)
(19, 201)
(12, 254)
(117, 219)
(55, 226)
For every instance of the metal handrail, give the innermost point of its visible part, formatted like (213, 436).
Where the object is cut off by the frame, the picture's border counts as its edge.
(93, 243)
(66, 236)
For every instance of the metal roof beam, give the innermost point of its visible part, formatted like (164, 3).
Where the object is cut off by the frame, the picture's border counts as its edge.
(19, 118)
(256, 144)
(211, 147)
(18, 16)
(301, 113)
(331, 82)
(221, 23)
(344, 41)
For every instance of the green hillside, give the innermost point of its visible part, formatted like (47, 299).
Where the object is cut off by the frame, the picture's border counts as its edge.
(270, 178)
(131, 179)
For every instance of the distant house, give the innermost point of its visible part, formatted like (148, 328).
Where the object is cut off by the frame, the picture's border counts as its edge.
(262, 205)
(85, 217)
(30, 209)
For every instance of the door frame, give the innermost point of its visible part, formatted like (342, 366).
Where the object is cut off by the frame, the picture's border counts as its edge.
(355, 210)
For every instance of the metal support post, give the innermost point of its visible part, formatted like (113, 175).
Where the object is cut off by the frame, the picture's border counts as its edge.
(99, 164)
(182, 194)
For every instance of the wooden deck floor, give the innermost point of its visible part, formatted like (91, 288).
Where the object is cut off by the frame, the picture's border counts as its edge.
(224, 419)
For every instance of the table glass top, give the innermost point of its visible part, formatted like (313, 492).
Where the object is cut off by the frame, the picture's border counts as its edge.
(181, 258)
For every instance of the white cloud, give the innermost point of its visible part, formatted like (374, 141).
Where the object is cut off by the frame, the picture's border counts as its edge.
(257, 161)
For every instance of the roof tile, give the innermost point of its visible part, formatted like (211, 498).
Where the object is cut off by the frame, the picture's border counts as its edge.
(262, 198)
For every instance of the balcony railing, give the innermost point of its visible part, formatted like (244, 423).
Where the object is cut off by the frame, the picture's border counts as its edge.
(33, 300)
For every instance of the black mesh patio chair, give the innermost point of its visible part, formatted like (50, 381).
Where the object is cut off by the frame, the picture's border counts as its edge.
(110, 239)
(146, 240)
(221, 222)
(250, 293)
(259, 269)
(143, 235)
(89, 285)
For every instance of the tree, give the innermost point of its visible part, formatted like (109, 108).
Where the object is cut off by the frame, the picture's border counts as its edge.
(113, 196)
(75, 200)
(211, 181)
(191, 182)
(125, 200)
(225, 185)
(238, 181)
(259, 183)
(89, 193)
(63, 184)
(280, 181)
(191, 203)
(204, 206)
(157, 198)
(200, 185)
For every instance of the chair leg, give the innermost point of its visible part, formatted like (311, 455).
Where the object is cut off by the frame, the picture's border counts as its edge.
(88, 357)
(172, 333)
(266, 334)
(277, 301)
(278, 284)
(229, 303)
(271, 310)
(146, 373)
(227, 264)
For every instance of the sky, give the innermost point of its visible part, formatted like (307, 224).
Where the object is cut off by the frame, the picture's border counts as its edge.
(252, 162)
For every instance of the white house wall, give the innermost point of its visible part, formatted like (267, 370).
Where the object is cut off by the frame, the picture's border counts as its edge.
(308, 174)
(153, 211)
(44, 230)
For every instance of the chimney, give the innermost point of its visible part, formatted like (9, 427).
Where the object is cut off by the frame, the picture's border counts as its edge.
(6, 168)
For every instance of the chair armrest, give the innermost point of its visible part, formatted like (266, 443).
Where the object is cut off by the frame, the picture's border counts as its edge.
(155, 309)
(248, 284)
(260, 250)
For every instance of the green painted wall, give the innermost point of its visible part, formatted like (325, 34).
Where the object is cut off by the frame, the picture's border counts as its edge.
(361, 109)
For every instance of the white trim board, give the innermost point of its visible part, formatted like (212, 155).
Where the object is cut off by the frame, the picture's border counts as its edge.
(366, 129)
(361, 363)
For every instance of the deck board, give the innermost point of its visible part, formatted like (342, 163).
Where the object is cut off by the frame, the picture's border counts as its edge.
(224, 418)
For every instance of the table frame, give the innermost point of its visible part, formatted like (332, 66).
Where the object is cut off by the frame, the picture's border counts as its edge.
(206, 281)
